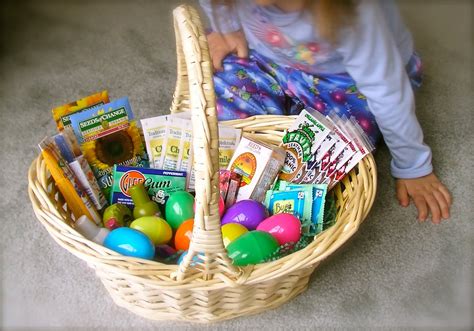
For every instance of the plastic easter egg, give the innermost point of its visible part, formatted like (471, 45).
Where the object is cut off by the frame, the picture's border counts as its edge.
(248, 213)
(182, 238)
(179, 208)
(232, 231)
(165, 251)
(154, 227)
(252, 247)
(130, 242)
(286, 228)
(196, 258)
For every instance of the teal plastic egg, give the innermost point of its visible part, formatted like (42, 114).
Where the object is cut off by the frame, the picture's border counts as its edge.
(179, 208)
(252, 248)
(130, 242)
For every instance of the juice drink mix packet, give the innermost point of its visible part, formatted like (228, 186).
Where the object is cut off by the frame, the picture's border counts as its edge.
(159, 183)
(173, 137)
(108, 135)
(185, 158)
(300, 143)
(229, 138)
(259, 165)
(62, 113)
(154, 130)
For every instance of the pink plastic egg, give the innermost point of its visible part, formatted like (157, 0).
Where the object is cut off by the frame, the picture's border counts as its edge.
(286, 228)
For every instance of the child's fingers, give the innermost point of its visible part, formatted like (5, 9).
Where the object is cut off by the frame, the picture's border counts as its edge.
(402, 195)
(442, 203)
(433, 205)
(420, 204)
(446, 194)
(242, 51)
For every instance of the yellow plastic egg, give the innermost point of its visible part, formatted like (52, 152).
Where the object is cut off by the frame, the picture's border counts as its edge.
(232, 231)
(154, 227)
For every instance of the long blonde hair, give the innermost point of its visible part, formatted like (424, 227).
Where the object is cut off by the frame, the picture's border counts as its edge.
(330, 16)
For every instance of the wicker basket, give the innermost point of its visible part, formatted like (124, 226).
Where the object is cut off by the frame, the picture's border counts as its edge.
(214, 289)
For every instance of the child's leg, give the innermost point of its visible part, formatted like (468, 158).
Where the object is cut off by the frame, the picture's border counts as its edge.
(338, 92)
(332, 93)
(243, 89)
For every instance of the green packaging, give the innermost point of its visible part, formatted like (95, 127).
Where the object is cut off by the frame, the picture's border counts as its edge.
(159, 183)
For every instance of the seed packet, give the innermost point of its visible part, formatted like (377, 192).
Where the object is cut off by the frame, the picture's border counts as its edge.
(108, 135)
(62, 113)
(301, 142)
(363, 147)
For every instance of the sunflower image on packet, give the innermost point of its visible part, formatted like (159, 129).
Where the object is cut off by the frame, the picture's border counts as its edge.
(62, 113)
(108, 135)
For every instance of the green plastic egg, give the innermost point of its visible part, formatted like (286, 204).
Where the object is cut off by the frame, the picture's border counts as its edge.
(179, 208)
(154, 227)
(252, 248)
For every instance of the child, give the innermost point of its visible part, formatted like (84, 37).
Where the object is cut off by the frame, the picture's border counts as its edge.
(355, 58)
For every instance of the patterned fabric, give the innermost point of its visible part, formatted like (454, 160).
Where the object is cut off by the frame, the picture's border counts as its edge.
(258, 86)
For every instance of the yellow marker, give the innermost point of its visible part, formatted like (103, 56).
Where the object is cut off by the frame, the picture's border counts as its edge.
(76, 200)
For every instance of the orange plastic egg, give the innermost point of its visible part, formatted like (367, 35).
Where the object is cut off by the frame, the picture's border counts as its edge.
(182, 238)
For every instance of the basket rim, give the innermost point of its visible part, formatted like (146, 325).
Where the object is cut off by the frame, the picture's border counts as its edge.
(98, 256)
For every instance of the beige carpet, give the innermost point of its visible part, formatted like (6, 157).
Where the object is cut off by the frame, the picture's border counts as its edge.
(394, 274)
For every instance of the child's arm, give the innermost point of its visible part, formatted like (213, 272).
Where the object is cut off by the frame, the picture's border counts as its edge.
(227, 37)
(372, 58)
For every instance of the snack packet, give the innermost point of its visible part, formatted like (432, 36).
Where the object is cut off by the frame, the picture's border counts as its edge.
(108, 135)
(295, 201)
(229, 138)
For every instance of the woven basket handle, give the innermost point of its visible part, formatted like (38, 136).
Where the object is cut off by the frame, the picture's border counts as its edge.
(195, 92)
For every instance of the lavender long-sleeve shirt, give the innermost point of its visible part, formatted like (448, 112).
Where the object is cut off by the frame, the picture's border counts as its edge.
(374, 51)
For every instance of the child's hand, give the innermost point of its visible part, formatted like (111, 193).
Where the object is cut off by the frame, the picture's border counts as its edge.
(221, 45)
(429, 195)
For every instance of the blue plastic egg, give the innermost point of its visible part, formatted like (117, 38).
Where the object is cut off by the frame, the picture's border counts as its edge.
(196, 258)
(130, 242)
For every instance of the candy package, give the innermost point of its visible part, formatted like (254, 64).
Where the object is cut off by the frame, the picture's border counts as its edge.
(259, 165)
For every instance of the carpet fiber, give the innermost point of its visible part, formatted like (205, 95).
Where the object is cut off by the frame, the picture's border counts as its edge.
(394, 273)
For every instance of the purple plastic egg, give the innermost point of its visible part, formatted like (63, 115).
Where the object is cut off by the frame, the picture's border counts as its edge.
(248, 213)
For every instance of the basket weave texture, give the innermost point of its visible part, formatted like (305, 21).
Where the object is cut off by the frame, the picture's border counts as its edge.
(213, 289)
